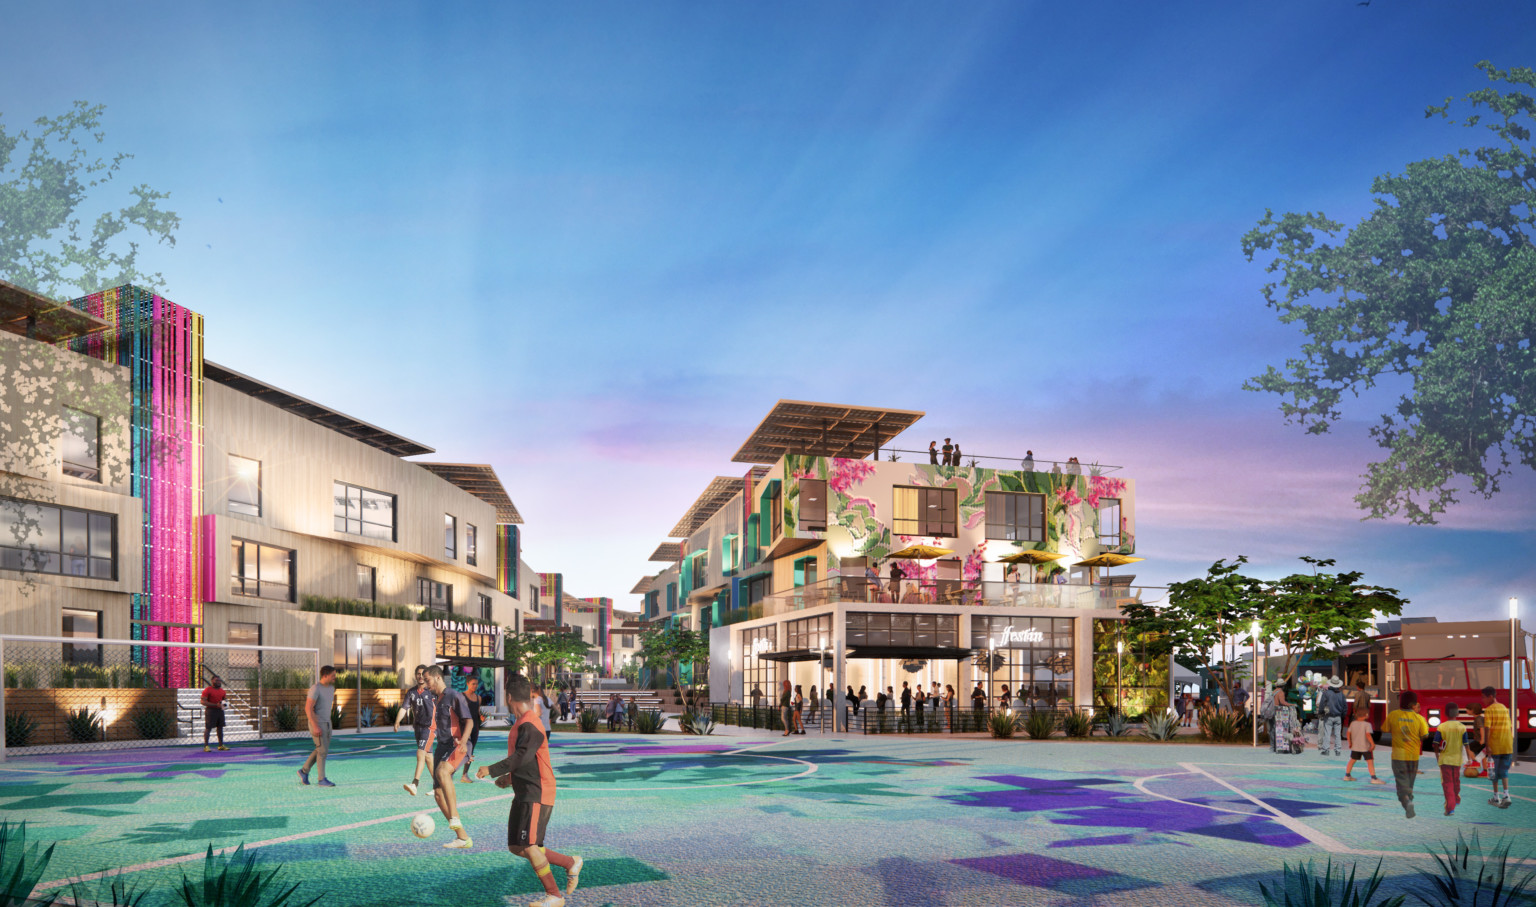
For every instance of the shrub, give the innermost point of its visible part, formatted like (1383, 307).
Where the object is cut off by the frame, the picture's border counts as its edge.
(1077, 723)
(588, 720)
(1160, 726)
(1001, 724)
(84, 725)
(286, 717)
(1116, 725)
(365, 717)
(236, 881)
(1224, 725)
(23, 677)
(113, 892)
(286, 678)
(1040, 724)
(19, 728)
(335, 716)
(696, 723)
(1303, 887)
(648, 721)
(1494, 885)
(152, 724)
(23, 866)
(372, 680)
(391, 712)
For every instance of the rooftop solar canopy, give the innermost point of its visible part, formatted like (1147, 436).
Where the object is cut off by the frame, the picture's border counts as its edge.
(643, 586)
(823, 429)
(48, 320)
(479, 479)
(667, 552)
(720, 491)
(372, 435)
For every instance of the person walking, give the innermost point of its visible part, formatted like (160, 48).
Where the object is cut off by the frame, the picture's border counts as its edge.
(472, 696)
(1005, 698)
(816, 704)
(786, 708)
(565, 706)
(799, 703)
(1239, 698)
(1477, 739)
(631, 713)
(546, 712)
(1180, 703)
(421, 705)
(906, 705)
(1362, 745)
(949, 706)
(1500, 745)
(1408, 730)
(213, 711)
(1331, 709)
(1451, 755)
(317, 711)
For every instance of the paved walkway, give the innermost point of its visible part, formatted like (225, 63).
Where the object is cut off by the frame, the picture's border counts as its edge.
(758, 819)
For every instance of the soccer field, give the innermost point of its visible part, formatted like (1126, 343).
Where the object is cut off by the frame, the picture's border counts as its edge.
(762, 821)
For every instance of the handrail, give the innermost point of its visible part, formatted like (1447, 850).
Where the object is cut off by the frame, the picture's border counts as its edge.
(1084, 468)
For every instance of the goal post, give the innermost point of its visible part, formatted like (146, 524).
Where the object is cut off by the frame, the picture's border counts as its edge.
(81, 694)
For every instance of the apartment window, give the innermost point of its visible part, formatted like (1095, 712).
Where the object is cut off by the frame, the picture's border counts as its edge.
(1109, 522)
(81, 445)
(450, 536)
(627, 641)
(83, 625)
(924, 511)
(805, 571)
(1016, 517)
(759, 676)
(360, 511)
(367, 583)
(813, 505)
(244, 486)
(261, 571)
(730, 554)
(43, 538)
(471, 544)
(878, 628)
(485, 606)
(433, 594)
(244, 634)
(377, 652)
(809, 633)
(775, 513)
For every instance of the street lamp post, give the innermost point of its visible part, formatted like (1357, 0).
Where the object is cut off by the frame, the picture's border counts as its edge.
(991, 669)
(1119, 682)
(359, 648)
(821, 674)
(1254, 698)
(1514, 661)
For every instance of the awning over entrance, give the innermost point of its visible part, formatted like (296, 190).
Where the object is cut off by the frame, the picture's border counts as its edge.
(789, 655)
(474, 662)
(937, 653)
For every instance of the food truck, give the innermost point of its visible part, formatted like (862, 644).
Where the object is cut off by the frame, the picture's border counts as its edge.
(1442, 662)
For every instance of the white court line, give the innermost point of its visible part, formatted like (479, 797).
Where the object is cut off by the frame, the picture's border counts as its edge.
(300, 836)
(1221, 809)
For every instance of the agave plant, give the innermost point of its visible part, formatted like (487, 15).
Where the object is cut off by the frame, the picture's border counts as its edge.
(588, 720)
(111, 892)
(236, 881)
(1303, 887)
(1223, 725)
(84, 725)
(22, 867)
(648, 721)
(366, 717)
(335, 716)
(1160, 726)
(152, 724)
(1495, 884)
(1040, 725)
(287, 718)
(696, 723)
(19, 728)
(1117, 726)
(1001, 724)
(391, 712)
(1077, 723)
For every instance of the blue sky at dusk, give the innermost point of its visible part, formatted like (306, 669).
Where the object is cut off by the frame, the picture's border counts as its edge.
(592, 245)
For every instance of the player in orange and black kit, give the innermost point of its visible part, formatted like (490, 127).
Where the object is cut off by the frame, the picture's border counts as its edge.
(532, 781)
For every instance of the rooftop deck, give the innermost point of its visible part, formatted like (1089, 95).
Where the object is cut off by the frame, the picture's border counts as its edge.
(957, 594)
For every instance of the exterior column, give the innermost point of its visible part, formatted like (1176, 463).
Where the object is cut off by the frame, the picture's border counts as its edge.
(839, 671)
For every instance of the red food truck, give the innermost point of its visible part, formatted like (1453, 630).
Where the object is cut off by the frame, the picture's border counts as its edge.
(1443, 663)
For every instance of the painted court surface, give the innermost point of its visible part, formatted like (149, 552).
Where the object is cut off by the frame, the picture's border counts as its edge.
(807, 820)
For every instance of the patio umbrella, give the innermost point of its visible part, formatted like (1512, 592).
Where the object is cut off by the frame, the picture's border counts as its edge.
(919, 553)
(1108, 559)
(1032, 558)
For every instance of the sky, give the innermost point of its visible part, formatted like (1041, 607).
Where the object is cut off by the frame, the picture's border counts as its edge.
(592, 245)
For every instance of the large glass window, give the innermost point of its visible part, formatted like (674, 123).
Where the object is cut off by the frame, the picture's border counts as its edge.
(262, 571)
(1016, 517)
(1032, 655)
(759, 675)
(924, 511)
(433, 594)
(450, 536)
(1135, 678)
(485, 606)
(80, 447)
(244, 486)
(813, 505)
(1109, 522)
(463, 644)
(244, 634)
(359, 511)
(809, 633)
(377, 653)
(775, 513)
(83, 625)
(879, 628)
(471, 544)
(46, 539)
(367, 583)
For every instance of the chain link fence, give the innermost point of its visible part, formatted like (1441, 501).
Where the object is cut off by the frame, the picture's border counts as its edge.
(69, 695)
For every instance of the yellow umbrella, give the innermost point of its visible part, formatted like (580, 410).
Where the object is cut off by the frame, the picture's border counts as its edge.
(919, 553)
(1108, 559)
(1032, 558)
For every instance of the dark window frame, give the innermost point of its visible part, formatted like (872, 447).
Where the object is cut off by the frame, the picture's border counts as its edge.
(471, 544)
(809, 522)
(426, 589)
(1111, 539)
(373, 583)
(1022, 526)
(347, 521)
(230, 504)
(945, 524)
(36, 559)
(75, 653)
(239, 583)
(450, 537)
(485, 606)
(344, 650)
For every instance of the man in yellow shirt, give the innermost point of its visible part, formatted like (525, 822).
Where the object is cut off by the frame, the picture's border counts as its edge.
(1501, 744)
(1451, 756)
(1408, 729)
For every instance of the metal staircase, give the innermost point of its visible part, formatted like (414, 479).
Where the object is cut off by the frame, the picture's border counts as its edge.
(239, 714)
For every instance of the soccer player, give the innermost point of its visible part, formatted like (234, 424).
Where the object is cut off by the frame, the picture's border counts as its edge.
(317, 710)
(472, 694)
(453, 727)
(533, 789)
(213, 711)
(420, 702)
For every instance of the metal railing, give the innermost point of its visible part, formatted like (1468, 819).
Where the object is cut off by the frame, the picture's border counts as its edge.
(961, 718)
(992, 461)
(954, 592)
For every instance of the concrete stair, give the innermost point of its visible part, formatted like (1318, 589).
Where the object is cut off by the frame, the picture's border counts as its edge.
(239, 719)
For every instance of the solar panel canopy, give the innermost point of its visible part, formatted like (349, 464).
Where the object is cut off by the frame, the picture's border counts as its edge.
(824, 429)
(480, 480)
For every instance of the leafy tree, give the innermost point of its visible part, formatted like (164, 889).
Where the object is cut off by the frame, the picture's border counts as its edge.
(1308, 612)
(1202, 622)
(546, 652)
(674, 649)
(1434, 289)
(42, 244)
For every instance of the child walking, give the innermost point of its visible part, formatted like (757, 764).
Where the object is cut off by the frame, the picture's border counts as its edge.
(1361, 746)
(1452, 756)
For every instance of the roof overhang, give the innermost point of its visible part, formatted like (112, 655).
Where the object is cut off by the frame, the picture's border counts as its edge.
(643, 586)
(45, 320)
(667, 553)
(823, 429)
(480, 480)
(719, 493)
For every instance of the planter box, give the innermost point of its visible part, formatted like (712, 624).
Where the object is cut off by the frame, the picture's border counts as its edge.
(372, 699)
(51, 709)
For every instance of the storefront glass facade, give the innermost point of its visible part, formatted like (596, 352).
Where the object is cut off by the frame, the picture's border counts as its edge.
(759, 675)
(1032, 655)
(1134, 681)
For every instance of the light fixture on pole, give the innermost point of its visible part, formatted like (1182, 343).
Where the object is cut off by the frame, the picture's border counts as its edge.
(1254, 698)
(821, 675)
(1119, 683)
(359, 647)
(1514, 659)
(991, 668)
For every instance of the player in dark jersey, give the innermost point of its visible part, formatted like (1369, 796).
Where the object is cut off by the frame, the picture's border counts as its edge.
(453, 727)
(472, 693)
(421, 705)
(533, 789)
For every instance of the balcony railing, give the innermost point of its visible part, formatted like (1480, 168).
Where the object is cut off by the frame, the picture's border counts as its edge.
(958, 593)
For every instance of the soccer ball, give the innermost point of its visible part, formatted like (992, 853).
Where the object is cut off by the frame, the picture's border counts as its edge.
(422, 826)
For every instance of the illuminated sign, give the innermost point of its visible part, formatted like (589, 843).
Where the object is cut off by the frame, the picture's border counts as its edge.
(1010, 635)
(761, 645)
(454, 626)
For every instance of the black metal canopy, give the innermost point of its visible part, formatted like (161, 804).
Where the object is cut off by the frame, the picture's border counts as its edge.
(935, 653)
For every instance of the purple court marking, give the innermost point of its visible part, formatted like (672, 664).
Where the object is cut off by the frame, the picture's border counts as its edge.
(1035, 870)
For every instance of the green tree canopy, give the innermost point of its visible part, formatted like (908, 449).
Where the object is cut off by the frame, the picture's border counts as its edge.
(44, 245)
(1433, 289)
(1202, 621)
(673, 648)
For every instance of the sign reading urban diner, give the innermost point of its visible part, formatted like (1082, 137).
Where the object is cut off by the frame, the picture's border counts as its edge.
(454, 626)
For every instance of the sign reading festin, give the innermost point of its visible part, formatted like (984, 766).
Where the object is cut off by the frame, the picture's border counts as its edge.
(1010, 636)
